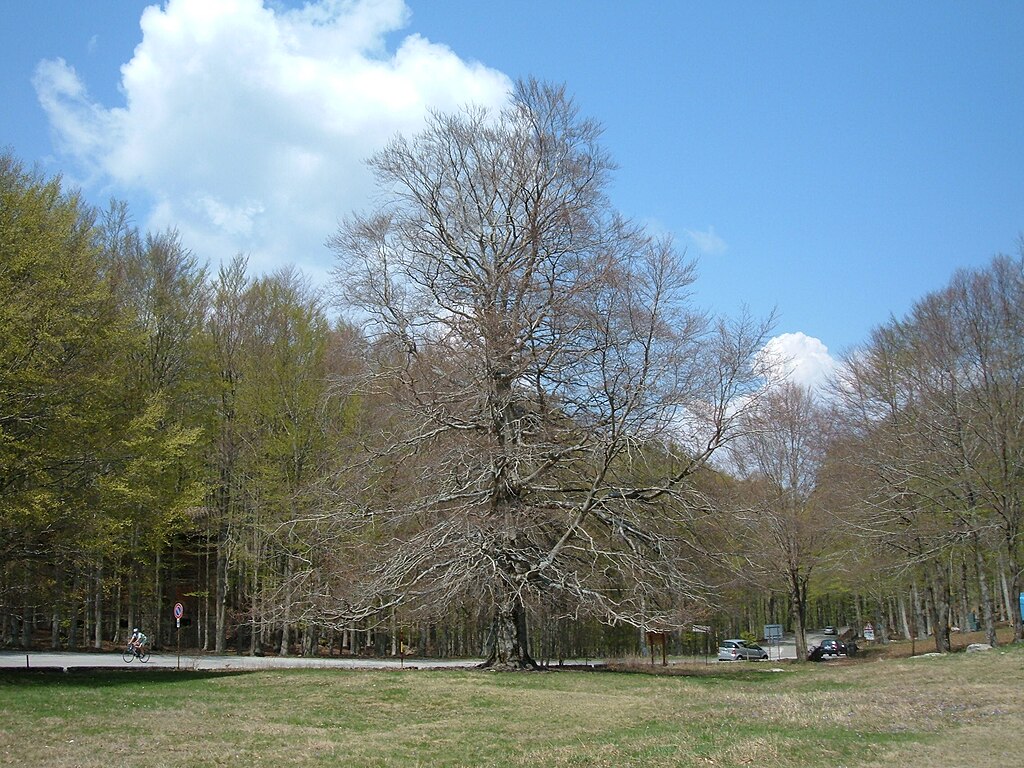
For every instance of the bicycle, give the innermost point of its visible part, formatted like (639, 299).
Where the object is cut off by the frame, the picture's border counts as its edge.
(130, 653)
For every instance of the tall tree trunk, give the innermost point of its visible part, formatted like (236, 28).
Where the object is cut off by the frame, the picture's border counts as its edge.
(394, 634)
(118, 609)
(797, 612)
(938, 592)
(255, 641)
(72, 644)
(986, 596)
(1008, 606)
(965, 608)
(904, 621)
(98, 608)
(286, 619)
(508, 638)
(881, 623)
(158, 602)
(28, 620)
(222, 593)
(921, 615)
(1016, 584)
(27, 625)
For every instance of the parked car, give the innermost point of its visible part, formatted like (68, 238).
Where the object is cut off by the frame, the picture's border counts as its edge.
(740, 650)
(829, 630)
(830, 646)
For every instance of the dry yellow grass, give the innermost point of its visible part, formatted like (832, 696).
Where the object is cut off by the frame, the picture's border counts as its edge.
(963, 709)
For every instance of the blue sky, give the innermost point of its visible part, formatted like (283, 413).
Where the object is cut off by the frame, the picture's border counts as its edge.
(833, 160)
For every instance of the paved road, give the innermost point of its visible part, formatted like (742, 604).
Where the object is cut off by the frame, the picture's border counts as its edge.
(59, 660)
(786, 649)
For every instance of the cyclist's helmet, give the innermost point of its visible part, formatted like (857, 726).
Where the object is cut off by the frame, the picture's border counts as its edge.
(135, 630)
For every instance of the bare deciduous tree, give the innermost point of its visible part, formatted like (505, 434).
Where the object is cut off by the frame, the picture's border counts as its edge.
(935, 403)
(554, 389)
(784, 535)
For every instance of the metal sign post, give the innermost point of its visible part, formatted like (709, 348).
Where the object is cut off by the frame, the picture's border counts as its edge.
(179, 611)
(703, 629)
(773, 635)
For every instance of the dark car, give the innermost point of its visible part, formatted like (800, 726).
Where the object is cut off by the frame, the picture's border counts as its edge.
(830, 646)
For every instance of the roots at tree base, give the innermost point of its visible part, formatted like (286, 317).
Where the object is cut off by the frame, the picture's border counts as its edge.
(507, 643)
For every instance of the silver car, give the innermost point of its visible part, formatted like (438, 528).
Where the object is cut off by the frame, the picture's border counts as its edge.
(740, 650)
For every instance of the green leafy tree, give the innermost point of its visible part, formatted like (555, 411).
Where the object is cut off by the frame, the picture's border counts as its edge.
(61, 331)
(282, 401)
(156, 483)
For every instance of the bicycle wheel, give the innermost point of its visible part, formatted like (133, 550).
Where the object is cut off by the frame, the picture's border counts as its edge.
(127, 654)
(144, 656)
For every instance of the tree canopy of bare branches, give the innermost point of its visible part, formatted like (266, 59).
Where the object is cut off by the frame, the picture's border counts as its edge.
(935, 402)
(781, 531)
(553, 390)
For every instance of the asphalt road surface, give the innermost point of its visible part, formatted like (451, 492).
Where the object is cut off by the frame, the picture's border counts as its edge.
(786, 649)
(61, 660)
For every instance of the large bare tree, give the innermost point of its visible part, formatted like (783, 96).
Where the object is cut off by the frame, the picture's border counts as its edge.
(783, 531)
(552, 389)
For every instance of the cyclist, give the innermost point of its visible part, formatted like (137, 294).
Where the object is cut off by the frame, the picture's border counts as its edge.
(138, 639)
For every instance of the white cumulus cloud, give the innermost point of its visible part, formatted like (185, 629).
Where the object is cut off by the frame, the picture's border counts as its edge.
(248, 124)
(800, 358)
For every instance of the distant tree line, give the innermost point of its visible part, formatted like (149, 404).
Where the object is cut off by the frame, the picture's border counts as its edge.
(518, 439)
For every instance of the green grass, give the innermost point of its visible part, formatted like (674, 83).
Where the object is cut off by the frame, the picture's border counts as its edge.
(957, 710)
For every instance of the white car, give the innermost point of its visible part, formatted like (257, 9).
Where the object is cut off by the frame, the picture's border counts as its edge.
(740, 650)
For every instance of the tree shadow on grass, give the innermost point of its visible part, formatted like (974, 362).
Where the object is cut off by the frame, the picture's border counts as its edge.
(753, 671)
(108, 678)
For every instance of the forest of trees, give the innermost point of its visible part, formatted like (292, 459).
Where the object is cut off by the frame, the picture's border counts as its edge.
(503, 430)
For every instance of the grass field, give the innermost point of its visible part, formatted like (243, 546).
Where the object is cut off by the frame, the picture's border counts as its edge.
(957, 710)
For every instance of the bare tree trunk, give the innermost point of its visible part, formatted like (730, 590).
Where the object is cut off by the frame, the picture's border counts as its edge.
(203, 634)
(508, 641)
(904, 622)
(72, 643)
(27, 625)
(118, 610)
(98, 608)
(158, 601)
(55, 629)
(1016, 586)
(920, 613)
(938, 592)
(285, 633)
(255, 641)
(986, 596)
(881, 623)
(1007, 603)
(965, 609)
(222, 594)
(797, 612)
(394, 634)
